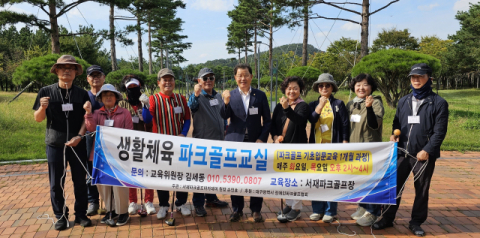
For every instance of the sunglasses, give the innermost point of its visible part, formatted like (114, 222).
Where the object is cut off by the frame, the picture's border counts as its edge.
(211, 78)
(324, 85)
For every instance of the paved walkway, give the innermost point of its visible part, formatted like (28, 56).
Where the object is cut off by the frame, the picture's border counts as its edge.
(454, 210)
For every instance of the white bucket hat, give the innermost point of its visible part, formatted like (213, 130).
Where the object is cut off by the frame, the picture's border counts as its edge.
(108, 88)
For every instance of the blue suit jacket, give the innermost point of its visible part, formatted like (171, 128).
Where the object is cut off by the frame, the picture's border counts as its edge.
(239, 121)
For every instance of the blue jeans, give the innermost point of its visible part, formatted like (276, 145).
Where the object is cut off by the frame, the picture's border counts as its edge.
(326, 208)
(199, 199)
(92, 190)
(374, 209)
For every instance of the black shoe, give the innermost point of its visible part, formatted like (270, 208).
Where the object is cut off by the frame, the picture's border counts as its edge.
(83, 221)
(286, 210)
(61, 224)
(216, 203)
(257, 217)
(416, 230)
(107, 216)
(236, 216)
(382, 224)
(123, 219)
(200, 211)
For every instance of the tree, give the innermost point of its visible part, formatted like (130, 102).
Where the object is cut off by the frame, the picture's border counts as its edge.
(393, 38)
(301, 13)
(390, 69)
(308, 74)
(116, 77)
(38, 69)
(434, 46)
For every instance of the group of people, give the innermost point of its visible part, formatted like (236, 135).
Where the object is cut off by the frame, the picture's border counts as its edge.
(241, 115)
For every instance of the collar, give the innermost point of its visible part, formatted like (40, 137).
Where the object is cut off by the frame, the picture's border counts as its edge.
(165, 96)
(208, 95)
(243, 94)
(104, 110)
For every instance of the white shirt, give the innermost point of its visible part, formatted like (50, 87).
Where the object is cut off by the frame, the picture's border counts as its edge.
(245, 99)
(416, 104)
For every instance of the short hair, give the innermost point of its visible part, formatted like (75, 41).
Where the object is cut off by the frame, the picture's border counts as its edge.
(360, 78)
(127, 78)
(290, 79)
(99, 98)
(242, 66)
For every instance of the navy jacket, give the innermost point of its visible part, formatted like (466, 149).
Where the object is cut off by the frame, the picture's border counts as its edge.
(239, 121)
(429, 134)
(341, 123)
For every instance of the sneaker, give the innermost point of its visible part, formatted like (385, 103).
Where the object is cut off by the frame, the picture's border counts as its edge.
(184, 209)
(367, 219)
(83, 221)
(107, 216)
(216, 203)
(236, 216)
(293, 215)
(132, 209)
(162, 213)
(358, 213)
(286, 210)
(150, 208)
(61, 224)
(123, 219)
(257, 217)
(382, 224)
(200, 211)
(316, 216)
(417, 230)
(92, 209)
(328, 218)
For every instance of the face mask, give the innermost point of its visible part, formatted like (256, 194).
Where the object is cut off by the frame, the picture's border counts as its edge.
(424, 91)
(133, 95)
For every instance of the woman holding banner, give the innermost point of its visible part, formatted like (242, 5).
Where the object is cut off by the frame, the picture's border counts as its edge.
(366, 116)
(288, 126)
(329, 124)
(131, 85)
(110, 115)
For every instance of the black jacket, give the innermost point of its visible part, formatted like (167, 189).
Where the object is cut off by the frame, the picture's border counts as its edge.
(296, 132)
(429, 134)
(341, 123)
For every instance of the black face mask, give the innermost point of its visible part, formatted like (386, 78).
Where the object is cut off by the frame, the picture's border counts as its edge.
(133, 95)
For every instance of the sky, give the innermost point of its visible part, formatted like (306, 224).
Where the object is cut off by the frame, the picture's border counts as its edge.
(206, 24)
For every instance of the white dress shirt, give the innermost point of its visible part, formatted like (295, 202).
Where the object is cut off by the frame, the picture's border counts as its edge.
(245, 99)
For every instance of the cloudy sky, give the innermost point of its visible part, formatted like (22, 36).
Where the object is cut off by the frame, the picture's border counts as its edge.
(206, 22)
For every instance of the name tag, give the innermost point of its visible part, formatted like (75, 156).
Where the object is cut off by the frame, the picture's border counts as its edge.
(214, 102)
(253, 111)
(135, 119)
(324, 128)
(178, 110)
(108, 123)
(67, 107)
(413, 119)
(355, 118)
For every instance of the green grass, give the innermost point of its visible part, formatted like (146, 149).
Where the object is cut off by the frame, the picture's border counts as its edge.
(21, 137)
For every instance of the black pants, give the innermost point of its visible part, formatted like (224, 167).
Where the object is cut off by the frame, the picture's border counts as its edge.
(93, 196)
(198, 199)
(55, 172)
(163, 197)
(422, 186)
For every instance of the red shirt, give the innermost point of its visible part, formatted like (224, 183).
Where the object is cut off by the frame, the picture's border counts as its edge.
(165, 120)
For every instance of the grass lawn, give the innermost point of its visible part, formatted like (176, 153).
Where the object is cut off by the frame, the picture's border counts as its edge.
(22, 137)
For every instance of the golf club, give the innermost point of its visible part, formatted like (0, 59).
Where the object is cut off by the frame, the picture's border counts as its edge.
(142, 211)
(111, 222)
(101, 210)
(282, 218)
(171, 221)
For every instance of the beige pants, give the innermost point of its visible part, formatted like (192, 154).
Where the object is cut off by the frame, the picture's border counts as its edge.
(295, 204)
(120, 196)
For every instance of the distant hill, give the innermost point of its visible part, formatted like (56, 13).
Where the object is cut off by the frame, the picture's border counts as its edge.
(231, 62)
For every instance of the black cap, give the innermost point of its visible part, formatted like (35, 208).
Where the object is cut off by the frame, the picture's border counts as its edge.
(94, 68)
(204, 72)
(420, 69)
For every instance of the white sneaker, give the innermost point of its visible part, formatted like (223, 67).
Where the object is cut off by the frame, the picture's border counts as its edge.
(150, 208)
(328, 218)
(367, 219)
(162, 213)
(316, 216)
(185, 210)
(132, 209)
(358, 213)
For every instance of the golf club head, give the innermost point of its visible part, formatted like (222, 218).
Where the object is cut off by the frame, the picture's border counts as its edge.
(282, 218)
(110, 222)
(102, 211)
(170, 221)
(142, 212)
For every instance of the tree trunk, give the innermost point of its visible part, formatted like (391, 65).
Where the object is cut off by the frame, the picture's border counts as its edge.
(270, 41)
(239, 52)
(113, 54)
(54, 35)
(246, 45)
(364, 34)
(255, 62)
(139, 41)
(161, 54)
(305, 36)
(150, 63)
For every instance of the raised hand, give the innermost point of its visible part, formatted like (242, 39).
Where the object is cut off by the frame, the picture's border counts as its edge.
(88, 107)
(198, 89)
(369, 101)
(44, 102)
(284, 102)
(226, 97)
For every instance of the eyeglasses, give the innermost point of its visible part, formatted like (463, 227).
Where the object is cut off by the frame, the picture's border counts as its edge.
(63, 67)
(95, 75)
(324, 85)
(211, 78)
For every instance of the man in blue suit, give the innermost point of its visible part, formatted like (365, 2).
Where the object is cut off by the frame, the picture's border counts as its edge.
(246, 107)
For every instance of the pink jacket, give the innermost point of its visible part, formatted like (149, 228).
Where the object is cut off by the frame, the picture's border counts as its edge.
(121, 119)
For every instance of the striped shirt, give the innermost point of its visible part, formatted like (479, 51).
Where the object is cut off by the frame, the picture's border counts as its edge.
(165, 120)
